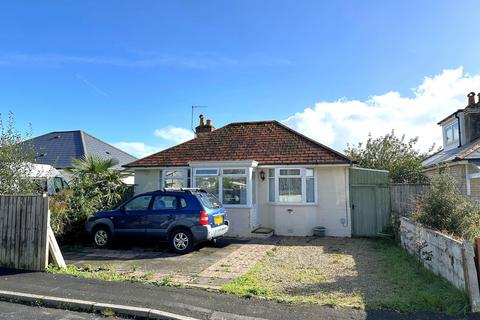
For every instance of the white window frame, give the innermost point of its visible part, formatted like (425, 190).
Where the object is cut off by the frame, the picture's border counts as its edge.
(450, 127)
(303, 176)
(185, 179)
(248, 174)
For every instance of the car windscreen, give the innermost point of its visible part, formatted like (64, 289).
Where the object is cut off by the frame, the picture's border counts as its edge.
(208, 200)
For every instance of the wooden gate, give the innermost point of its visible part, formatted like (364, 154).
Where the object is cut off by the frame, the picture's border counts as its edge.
(369, 201)
(24, 223)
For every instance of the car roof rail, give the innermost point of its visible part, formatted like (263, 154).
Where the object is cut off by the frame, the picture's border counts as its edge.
(188, 190)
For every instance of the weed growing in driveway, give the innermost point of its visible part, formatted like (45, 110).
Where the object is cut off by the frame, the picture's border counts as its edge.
(107, 313)
(105, 273)
(358, 273)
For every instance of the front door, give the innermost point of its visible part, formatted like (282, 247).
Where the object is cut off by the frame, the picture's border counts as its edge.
(162, 215)
(132, 219)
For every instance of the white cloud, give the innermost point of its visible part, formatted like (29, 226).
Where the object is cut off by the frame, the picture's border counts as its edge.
(350, 121)
(174, 134)
(137, 149)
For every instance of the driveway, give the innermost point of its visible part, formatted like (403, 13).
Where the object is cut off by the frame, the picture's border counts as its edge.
(210, 265)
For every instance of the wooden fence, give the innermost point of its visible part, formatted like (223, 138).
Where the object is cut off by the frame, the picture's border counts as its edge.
(24, 224)
(403, 196)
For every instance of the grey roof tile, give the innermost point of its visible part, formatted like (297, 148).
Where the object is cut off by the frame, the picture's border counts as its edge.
(58, 148)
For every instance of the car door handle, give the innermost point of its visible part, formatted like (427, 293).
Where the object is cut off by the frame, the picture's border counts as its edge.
(171, 217)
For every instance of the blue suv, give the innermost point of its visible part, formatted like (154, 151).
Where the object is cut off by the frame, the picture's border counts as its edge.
(184, 217)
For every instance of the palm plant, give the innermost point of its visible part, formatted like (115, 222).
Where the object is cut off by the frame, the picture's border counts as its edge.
(96, 185)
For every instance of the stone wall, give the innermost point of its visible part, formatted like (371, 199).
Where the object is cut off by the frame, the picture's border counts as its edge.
(447, 257)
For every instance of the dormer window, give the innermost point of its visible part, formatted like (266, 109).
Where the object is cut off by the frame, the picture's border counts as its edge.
(451, 134)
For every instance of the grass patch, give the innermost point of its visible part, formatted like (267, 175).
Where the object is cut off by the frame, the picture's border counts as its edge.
(359, 273)
(414, 288)
(105, 273)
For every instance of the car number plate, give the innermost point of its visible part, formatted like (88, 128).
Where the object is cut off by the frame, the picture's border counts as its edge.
(218, 219)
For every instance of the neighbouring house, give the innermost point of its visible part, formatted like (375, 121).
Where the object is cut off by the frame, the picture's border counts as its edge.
(266, 175)
(59, 148)
(461, 148)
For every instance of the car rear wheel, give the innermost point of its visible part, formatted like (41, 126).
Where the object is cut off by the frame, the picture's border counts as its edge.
(181, 241)
(102, 237)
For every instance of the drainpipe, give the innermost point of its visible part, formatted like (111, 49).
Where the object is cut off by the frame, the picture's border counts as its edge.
(467, 179)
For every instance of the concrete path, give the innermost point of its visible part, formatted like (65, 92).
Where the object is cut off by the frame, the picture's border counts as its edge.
(194, 303)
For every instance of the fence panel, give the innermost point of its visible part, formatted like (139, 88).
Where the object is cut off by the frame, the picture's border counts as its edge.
(403, 196)
(24, 220)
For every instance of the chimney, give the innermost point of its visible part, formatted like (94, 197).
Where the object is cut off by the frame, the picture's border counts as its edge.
(204, 128)
(471, 99)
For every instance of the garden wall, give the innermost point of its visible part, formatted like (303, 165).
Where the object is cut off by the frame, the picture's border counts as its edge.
(447, 257)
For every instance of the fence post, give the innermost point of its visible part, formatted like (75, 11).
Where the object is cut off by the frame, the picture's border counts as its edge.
(471, 278)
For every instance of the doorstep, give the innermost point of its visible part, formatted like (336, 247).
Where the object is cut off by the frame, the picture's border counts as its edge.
(262, 233)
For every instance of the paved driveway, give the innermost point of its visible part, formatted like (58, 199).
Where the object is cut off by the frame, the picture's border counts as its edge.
(209, 265)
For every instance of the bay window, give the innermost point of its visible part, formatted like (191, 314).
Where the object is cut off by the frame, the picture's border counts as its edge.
(231, 185)
(291, 185)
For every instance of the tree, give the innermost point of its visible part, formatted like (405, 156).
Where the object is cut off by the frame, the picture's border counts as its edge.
(389, 152)
(16, 159)
(95, 185)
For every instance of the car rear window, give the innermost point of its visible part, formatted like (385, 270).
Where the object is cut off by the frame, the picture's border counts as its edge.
(208, 200)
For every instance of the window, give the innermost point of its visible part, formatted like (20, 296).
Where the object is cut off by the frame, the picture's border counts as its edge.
(164, 203)
(57, 182)
(451, 134)
(206, 172)
(310, 185)
(234, 172)
(139, 203)
(271, 185)
(209, 200)
(175, 178)
(207, 183)
(228, 184)
(183, 203)
(291, 185)
(234, 190)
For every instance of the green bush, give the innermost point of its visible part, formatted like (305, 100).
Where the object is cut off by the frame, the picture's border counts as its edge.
(445, 209)
(95, 186)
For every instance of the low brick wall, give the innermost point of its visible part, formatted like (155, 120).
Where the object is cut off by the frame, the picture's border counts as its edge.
(443, 255)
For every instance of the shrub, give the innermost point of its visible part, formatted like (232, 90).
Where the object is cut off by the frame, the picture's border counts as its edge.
(444, 208)
(95, 186)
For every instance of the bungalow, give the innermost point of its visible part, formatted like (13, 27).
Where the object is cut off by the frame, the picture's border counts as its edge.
(461, 148)
(266, 175)
(59, 148)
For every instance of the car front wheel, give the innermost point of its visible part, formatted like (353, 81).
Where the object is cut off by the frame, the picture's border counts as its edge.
(181, 241)
(102, 237)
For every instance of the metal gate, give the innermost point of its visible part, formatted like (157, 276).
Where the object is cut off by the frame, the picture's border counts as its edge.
(369, 201)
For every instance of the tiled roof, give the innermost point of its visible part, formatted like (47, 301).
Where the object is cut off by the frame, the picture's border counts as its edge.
(268, 142)
(470, 151)
(58, 148)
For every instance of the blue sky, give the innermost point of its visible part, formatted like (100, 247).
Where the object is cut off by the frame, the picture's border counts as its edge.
(123, 70)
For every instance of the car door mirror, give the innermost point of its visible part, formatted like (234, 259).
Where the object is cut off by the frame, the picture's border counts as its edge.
(122, 210)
